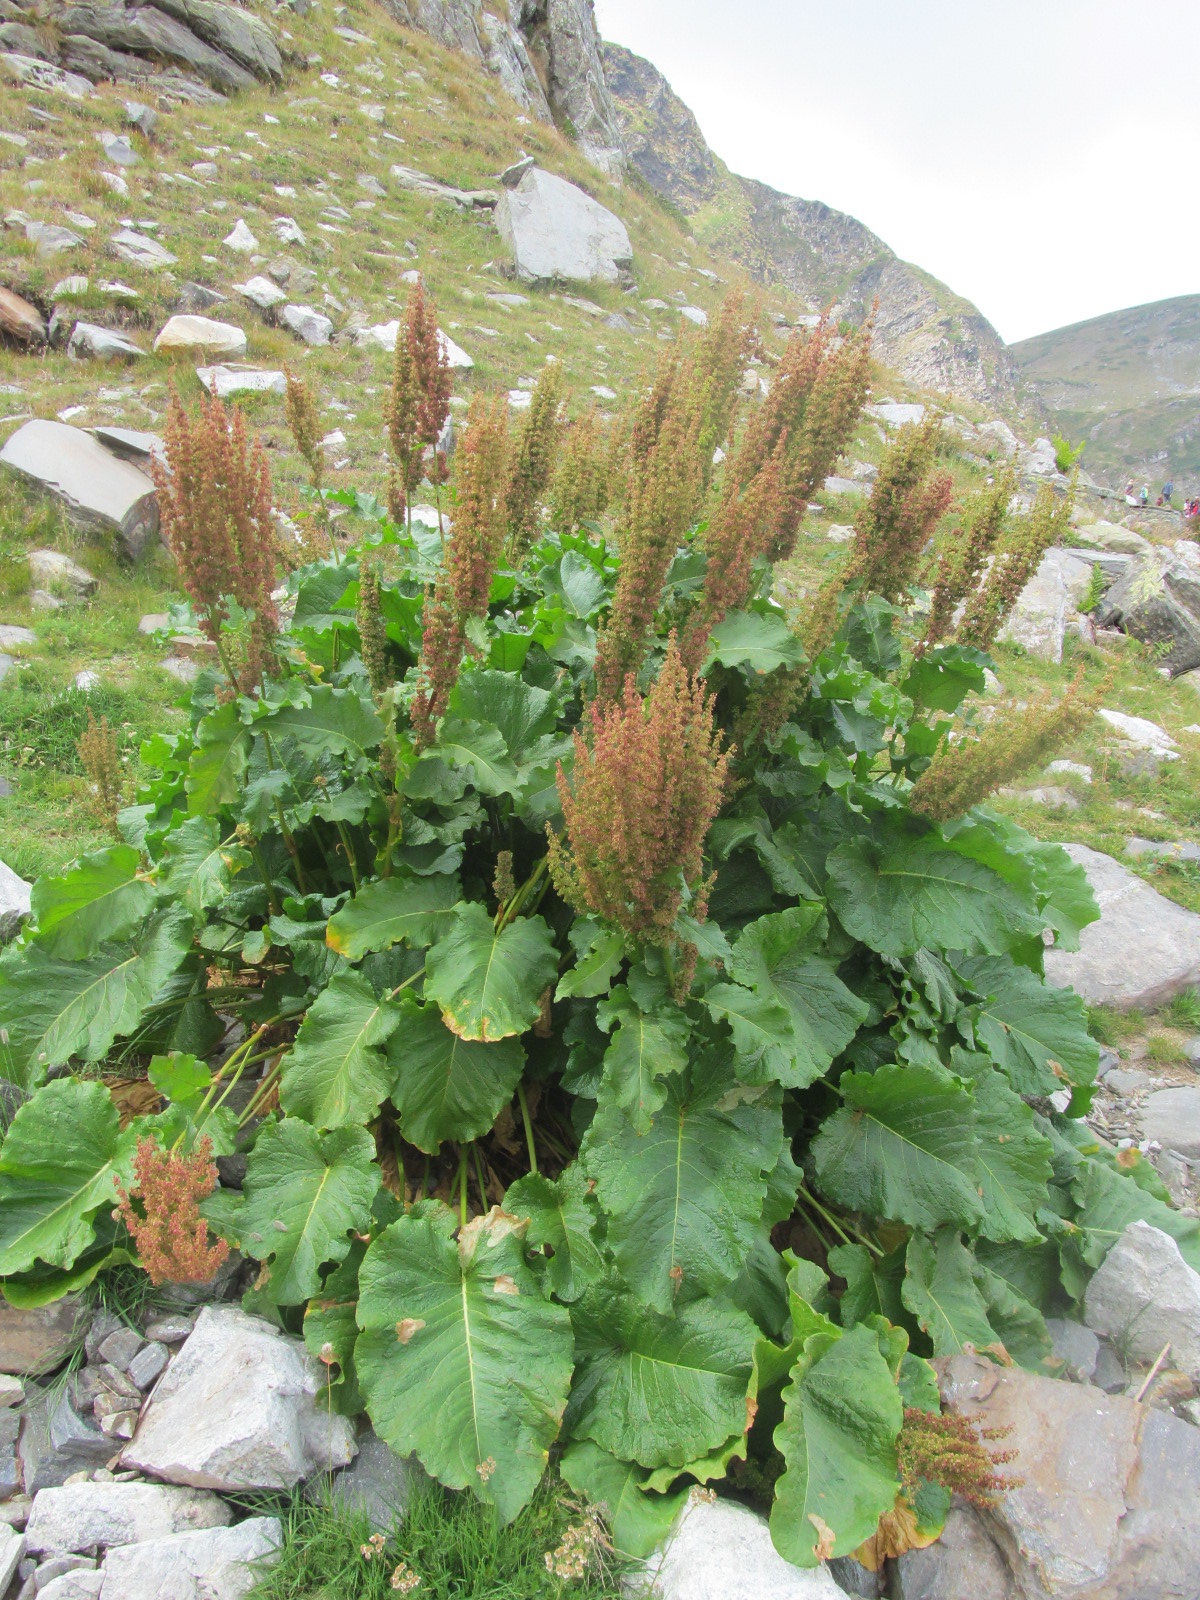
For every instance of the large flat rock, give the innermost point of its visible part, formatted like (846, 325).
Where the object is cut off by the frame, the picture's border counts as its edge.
(1143, 951)
(721, 1551)
(555, 230)
(99, 491)
(1048, 604)
(82, 1518)
(212, 1564)
(241, 1407)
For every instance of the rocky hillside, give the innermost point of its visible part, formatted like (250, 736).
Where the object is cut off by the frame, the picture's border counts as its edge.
(1129, 384)
(927, 333)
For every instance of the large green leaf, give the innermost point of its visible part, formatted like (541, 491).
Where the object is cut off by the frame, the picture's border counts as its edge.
(898, 890)
(943, 678)
(446, 1087)
(331, 1331)
(761, 643)
(99, 898)
(941, 1292)
(389, 911)
(479, 748)
(60, 1164)
(1109, 1200)
(903, 1146)
(683, 1200)
(647, 1045)
(197, 866)
(842, 1414)
(1014, 1159)
(304, 1194)
(521, 712)
(599, 952)
(638, 1521)
(218, 763)
(488, 984)
(775, 961)
(53, 1009)
(563, 1221)
(1029, 1028)
(339, 722)
(660, 1390)
(336, 1072)
(460, 1357)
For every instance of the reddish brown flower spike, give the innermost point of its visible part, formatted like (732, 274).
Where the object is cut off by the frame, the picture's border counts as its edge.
(170, 1234)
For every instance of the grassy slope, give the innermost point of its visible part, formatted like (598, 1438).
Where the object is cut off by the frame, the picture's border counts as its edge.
(1129, 383)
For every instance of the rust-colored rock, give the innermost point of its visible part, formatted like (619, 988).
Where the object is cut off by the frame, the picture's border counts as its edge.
(19, 320)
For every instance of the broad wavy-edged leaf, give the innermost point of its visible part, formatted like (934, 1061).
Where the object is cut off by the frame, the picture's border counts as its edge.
(445, 1087)
(1068, 903)
(336, 1072)
(60, 1163)
(217, 765)
(521, 712)
(748, 639)
(1030, 1028)
(478, 747)
(1109, 1201)
(99, 898)
(872, 1283)
(638, 1521)
(331, 1331)
(903, 1146)
(462, 1360)
(683, 1200)
(399, 910)
(574, 582)
(198, 866)
(304, 1194)
(775, 962)
(338, 722)
(53, 1010)
(660, 1390)
(489, 985)
(599, 952)
(841, 1417)
(1014, 1159)
(646, 1046)
(898, 890)
(563, 1220)
(940, 1290)
(1018, 1323)
(942, 679)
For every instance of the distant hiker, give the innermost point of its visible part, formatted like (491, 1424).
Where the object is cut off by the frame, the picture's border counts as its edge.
(1145, 496)
(1130, 494)
(1168, 491)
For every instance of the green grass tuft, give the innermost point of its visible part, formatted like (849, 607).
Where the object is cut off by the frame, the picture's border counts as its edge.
(457, 1547)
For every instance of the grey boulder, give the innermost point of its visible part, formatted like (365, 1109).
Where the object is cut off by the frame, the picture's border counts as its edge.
(139, 248)
(19, 320)
(377, 1482)
(226, 380)
(1144, 1296)
(556, 231)
(1172, 1116)
(964, 1562)
(89, 342)
(1158, 601)
(241, 1407)
(99, 491)
(203, 334)
(721, 1551)
(82, 1518)
(14, 903)
(1049, 604)
(1143, 950)
(38, 1340)
(12, 1548)
(307, 324)
(209, 1564)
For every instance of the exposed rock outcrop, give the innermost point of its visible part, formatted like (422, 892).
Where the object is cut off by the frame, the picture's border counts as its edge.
(922, 329)
(547, 55)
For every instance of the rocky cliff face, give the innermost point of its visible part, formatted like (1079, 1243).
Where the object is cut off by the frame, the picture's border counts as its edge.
(546, 54)
(930, 335)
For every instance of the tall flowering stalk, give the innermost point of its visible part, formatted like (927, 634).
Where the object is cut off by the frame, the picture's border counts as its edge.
(1017, 557)
(534, 456)
(418, 402)
(908, 501)
(165, 1222)
(965, 554)
(471, 554)
(304, 424)
(648, 779)
(214, 498)
(582, 481)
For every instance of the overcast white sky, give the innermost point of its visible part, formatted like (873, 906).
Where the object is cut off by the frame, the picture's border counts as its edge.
(1040, 156)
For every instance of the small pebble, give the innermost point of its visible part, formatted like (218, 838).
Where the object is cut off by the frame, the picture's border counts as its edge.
(148, 1365)
(120, 1347)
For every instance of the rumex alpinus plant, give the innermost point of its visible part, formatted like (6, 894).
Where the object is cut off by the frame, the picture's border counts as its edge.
(100, 758)
(161, 1212)
(531, 468)
(1017, 556)
(214, 498)
(418, 402)
(304, 425)
(963, 557)
(745, 1076)
(580, 489)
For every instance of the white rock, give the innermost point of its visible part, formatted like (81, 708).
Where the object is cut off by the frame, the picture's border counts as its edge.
(117, 148)
(1071, 769)
(201, 334)
(603, 392)
(41, 75)
(240, 1407)
(240, 239)
(840, 533)
(86, 680)
(50, 569)
(12, 1548)
(69, 287)
(99, 491)
(307, 324)
(456, 357)
(695, 314)
(1143, 733)
(895, 413)
(1143, 1296)
(224, 381)
(520, 399)
(89, 342)
(214, 1564)
(141, 251)
(287, 231)
(261, 292)
(723, 1551)
(1143, 951)
(999, 436)
(13, 637)
(83, 1584)
(81, 1518)
(1048, 603)
(383, 335)
(555, 230)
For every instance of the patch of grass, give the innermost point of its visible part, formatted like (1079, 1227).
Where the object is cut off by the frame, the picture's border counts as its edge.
(1165, 1048)
(1184, 1010)
(41, 723)
(1109, 1026)
(457, 1547)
